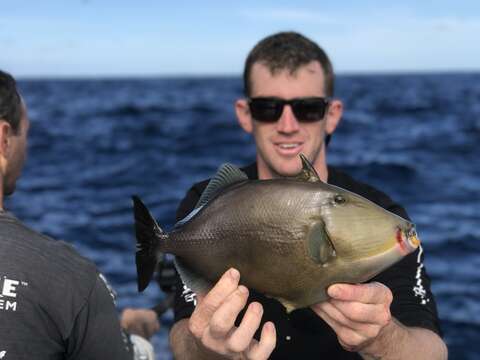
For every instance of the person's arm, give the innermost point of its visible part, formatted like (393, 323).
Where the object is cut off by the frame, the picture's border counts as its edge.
(360, 316)
(96, 332)
(143, 322)
(210, 333)
(397, 341)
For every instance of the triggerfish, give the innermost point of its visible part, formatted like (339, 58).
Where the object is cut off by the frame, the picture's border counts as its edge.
(290, 238)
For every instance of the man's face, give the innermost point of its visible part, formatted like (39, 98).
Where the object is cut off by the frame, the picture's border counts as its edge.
(17, 153)
(280, 143)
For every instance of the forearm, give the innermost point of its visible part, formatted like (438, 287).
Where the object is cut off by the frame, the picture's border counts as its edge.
(397, 342)
(182, 343)
(185, 347)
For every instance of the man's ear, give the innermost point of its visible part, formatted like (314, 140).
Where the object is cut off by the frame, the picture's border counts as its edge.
(334, 115)
(5, 134)
(243, 115)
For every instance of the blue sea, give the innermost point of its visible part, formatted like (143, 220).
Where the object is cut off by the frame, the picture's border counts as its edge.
(94, 143)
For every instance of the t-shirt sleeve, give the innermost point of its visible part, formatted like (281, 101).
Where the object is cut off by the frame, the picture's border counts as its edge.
(413, 302)
(96, 332)
(190, 200)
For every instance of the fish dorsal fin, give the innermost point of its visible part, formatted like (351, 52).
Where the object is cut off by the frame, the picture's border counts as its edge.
(320, 247)
(187, 218)
(226, 175)
(308, 172)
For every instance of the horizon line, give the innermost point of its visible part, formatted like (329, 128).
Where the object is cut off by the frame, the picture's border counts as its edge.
(152, 76)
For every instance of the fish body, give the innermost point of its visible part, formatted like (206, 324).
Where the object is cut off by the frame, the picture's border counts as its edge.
(289, 238)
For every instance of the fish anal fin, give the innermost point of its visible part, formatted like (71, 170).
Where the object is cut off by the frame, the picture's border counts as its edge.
(191, 279)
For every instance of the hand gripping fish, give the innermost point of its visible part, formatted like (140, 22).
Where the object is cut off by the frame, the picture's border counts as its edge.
(290, 238)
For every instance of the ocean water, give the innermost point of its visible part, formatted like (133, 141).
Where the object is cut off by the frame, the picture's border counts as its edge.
(94, 143)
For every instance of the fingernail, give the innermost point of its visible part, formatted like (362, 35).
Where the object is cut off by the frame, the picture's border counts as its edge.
(234, 274)
(334, 291)
(243, 289)
(255, 307)
(269, 326)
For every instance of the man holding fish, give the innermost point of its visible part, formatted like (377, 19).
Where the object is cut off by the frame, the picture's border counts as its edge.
(288, 81)
(346, 238)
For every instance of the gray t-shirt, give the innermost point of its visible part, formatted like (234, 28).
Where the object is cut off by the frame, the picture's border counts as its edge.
(53, 304)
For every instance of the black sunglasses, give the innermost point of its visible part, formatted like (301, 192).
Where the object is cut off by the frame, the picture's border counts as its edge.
(270, 109)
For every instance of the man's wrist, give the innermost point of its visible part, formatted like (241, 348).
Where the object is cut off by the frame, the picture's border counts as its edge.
(385, 343)
(186, 346)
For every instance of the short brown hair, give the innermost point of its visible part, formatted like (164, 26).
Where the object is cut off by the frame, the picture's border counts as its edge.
(287, 51)
(10, 101)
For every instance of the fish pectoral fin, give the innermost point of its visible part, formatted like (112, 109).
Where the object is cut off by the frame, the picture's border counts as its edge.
(320, 248)
(191, 279)
(226, 175)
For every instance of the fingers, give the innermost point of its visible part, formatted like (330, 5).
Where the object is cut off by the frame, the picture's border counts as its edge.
(213, 322)
(370, 293)
(365, 303)
(143, 322)
(264, 348)
(243, 335)
(223, 320)
(353, 314)
(357, 313)
(366, 328)
(349, 338)
(227, 283)
(207, 306)
(150, 328)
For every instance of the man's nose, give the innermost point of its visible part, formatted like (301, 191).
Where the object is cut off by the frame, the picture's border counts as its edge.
(287, 123)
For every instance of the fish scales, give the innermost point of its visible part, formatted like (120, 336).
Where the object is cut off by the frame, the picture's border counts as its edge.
(289, 238)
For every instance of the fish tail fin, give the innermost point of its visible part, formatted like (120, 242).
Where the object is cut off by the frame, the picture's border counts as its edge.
(149, 237)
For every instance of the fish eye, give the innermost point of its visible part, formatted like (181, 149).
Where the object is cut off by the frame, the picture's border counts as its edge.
(339, 199)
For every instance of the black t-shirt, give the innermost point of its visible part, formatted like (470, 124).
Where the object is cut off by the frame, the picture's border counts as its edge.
(304, 335)
(53, 302)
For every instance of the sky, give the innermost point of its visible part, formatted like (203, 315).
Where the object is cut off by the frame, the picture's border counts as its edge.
(104, 38)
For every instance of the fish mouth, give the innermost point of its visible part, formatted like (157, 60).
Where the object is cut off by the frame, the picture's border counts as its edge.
(412, 237)
(407, 238)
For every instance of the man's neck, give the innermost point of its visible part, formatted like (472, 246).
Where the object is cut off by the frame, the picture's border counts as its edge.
(1, 194)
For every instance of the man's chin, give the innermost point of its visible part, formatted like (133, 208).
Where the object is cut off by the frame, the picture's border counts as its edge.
(288, 171)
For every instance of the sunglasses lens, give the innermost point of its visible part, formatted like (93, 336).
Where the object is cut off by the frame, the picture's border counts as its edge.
(270, 109)
(266, 110)
(309, 110)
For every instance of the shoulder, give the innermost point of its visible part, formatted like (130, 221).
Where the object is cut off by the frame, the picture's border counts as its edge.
(190, 199)
(52, 282)
(339, 178)
(44, 260)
